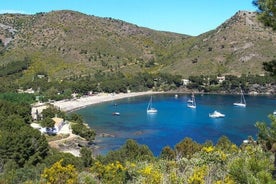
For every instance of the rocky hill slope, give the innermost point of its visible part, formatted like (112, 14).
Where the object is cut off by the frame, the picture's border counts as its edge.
(63, 44)
(238, 46)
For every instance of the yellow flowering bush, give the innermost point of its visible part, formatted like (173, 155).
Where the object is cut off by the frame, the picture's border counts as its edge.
(222, 155)
(110, 173)
(60, 174)
(234, 148)
(226, 180)
(249, 149)
(175, 177)
(131, 169)
(210, 155)
(198, 175)
(208, 149)
(151, 175)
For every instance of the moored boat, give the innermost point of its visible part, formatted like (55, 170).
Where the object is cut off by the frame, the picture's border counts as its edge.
(191, 103)
(216, 114)
(116, 114)
(151, 109)
(242, 103)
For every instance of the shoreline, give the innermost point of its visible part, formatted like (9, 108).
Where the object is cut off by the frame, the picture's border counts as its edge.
(70, 105)
(82, 102)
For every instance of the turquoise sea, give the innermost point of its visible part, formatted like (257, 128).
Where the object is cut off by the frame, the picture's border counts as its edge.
(175, 121)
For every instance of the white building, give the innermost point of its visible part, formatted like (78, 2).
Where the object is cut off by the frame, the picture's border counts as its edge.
(220, 79)
(185, 82)
(59, 122)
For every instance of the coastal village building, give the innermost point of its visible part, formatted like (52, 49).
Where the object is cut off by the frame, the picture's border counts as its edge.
(185, 82)
(59, 122)
(220, 79)
(37, 109)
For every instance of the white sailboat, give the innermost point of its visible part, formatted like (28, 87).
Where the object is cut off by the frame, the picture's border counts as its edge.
(242, 103)
(191, 102)
(115, 113)
(216, 114)
(150, 108)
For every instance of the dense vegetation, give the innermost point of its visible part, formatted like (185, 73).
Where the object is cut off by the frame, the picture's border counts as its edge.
(119, 83)
(14, 67)
(100, 82)
(18, 97)
(80, 128)
(231, 84)
(270, 67)
(26, 157)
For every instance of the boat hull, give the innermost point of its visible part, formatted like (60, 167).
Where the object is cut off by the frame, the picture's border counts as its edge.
(191, 106)
(239, 104)
(216, 114)
(151, 111)
(116, 114)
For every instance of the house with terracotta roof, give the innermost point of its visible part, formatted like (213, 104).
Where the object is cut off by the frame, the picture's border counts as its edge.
(59, 122)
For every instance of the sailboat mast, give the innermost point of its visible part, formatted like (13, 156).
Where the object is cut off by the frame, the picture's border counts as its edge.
(149, 105)
(243, 99)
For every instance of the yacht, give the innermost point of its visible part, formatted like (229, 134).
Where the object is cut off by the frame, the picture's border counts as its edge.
(151, 109)
(216, 114)
(116, 114)
(191, 103)
(242, 102)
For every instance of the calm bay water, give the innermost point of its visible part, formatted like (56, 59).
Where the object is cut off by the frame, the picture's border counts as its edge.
(174, 121)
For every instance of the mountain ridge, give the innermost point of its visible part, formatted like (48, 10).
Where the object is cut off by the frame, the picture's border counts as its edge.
(66, 43)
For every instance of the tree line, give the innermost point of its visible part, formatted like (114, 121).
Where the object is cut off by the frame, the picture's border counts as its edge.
(121, 83)
(230, 84)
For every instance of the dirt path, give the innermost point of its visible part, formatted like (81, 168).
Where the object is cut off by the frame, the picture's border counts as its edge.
(56, 143)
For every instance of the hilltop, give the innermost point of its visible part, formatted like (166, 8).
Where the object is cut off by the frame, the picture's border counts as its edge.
(63, 44)
(239, 46)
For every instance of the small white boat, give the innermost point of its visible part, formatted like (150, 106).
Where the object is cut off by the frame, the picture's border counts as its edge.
(274, 113)
(216, 114)
(242, 103)
(151, 109)
(116, 114)
(191, 102)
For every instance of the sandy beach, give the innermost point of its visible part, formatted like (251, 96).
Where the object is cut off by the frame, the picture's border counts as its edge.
(74, 104)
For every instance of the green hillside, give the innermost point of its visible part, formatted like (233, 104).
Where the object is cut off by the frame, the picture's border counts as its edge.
(64, 44)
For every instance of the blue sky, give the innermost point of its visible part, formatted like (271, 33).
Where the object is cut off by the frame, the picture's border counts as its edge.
(191, 17)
